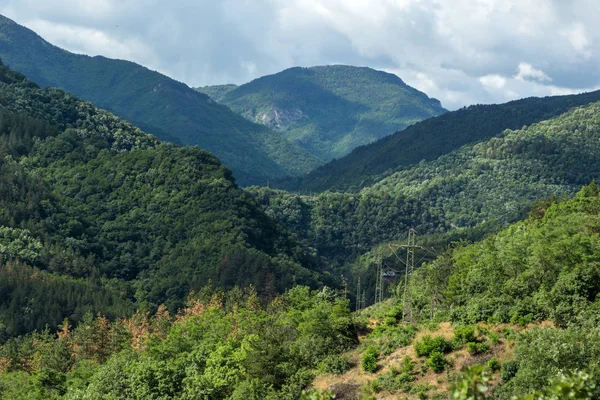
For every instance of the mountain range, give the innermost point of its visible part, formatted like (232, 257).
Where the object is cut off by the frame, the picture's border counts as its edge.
(329, 110)
(169, 109)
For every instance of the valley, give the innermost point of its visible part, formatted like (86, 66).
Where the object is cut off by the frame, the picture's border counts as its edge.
(317, 233)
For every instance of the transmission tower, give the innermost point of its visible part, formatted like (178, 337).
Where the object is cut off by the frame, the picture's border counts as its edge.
(379, 280)
(363, 300)
(409, 265)
(358, 296)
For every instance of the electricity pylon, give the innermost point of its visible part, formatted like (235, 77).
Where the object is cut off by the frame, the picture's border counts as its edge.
(379, 281)
(409, 265)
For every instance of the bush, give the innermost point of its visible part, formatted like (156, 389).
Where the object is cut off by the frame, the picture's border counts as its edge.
(493, 364)
(478, 348)
(405, 378)
(428, 345)
(495, 338)
(368, 361)
(334, 364)
(509, 370)
(464, 334)
(437, 362)
(407, 365)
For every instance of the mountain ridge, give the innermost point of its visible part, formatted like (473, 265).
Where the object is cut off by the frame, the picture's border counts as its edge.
(329, 110)
(430, 139)
(136, 93)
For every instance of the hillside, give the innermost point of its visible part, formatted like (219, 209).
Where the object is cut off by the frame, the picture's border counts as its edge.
(480, 186)
(514, 316)
(137, 94)
(329, 110)
(431, 139)
(96, 215)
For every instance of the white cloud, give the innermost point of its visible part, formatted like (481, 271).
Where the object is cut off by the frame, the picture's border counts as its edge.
(460, 51)
(493, 81)
(527, 72)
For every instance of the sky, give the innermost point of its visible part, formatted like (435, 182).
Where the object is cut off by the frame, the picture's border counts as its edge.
(461, 52)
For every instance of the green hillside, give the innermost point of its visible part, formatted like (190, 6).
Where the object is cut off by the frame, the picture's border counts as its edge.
(431, 139)
(513, 317)
(491, 183)
(96, 215)
(329, 110)
(255, 153)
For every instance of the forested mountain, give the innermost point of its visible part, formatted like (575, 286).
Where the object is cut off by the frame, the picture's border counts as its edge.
(491, 182)
(95, 214)
(329, 110)
(167, 108)
(514, 316)
(431, 139)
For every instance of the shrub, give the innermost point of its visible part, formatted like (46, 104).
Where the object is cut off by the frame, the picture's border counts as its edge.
(495, 338)
(428, 345)
(478, 348)
(334, 364)
(493, 364)
(390, 321)
(509, 370)
(405, 378)
(464, 334)
(407, 365)
(368, 361)
(437, 362)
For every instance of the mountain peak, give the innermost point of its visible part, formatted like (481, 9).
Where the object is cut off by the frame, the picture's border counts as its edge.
(329, 110)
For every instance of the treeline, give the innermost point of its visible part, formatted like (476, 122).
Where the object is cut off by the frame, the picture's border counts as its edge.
(220, 346)
(100, 207)
(467, 193)
(430, 139)
(543, 268)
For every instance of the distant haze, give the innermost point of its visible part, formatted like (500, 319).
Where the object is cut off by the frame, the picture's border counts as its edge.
(461, 51)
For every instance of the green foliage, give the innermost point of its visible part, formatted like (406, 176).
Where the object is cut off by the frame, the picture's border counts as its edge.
(94, 213)
(464, 335)
(328, 110)
(230, 348)
(544, 353)
(432, 138)
(428, 345)
(169, 109)
(493, 364)
(534, 270)
(334, 364)
(508, 370)
(437, 361)
(578, 385)
(368, 360)
(474, 348)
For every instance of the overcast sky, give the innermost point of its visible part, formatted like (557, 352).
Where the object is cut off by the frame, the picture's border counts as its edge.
(459, 51)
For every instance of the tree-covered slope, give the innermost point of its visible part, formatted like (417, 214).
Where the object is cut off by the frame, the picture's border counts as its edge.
(431, 139)
(93, 204)
(329, 110)
(492, 182)
(179, 113)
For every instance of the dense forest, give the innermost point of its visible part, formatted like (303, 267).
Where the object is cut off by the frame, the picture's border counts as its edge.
(430, 139)
(467, 192)
(226, 345)
(96, 215)
(133, 268)
(169, 109)
(329, 110)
